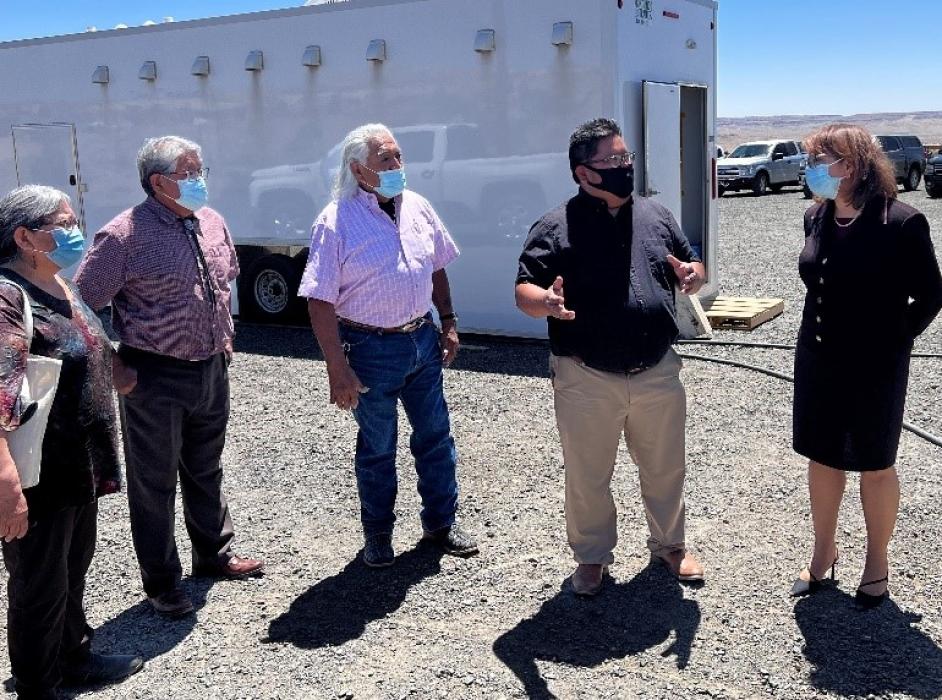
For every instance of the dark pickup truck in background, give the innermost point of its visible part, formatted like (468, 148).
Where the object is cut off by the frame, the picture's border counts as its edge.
(934, 175)
(908, 158)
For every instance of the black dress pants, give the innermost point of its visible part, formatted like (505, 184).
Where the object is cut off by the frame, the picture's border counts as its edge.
(174, 423)
(46, 624)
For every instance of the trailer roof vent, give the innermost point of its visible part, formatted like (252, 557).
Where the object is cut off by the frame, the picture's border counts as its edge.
(101, 75)
(562, 34)
(200, 66)
(254, 61)
(376, 51)
(312, 56)
(148, 71)
(485, 41)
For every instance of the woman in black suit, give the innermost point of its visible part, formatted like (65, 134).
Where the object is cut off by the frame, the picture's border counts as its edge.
(873, 285)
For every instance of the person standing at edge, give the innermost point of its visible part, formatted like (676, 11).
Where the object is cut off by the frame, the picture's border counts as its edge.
(165, 265)
(602, 269)
(850, 385)
(49, 529)
(376, 265)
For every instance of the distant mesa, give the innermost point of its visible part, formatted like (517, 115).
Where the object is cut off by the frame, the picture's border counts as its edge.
(731, 131)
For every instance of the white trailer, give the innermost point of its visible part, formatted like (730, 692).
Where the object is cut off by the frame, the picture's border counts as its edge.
(482, 95)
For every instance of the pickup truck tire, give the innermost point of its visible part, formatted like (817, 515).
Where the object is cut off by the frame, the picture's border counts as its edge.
(933, 191)
(806, 191)
(268, 290)
(720, 190)
(761, 184)
(912, 179)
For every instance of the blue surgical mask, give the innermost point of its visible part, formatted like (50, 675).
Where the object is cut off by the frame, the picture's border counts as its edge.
(70, 243)
(821, 182)
(391, 182)
(193, 193)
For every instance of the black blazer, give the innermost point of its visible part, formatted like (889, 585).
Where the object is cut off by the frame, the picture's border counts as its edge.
(876, 290)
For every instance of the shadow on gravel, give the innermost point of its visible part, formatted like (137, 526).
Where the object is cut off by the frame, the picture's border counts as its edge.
(139, 630)
(337, 610)
(875, 652)
(520, 357)
(623, 620)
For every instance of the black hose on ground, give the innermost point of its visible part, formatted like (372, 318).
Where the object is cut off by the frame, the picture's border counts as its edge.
(927, 436)
(772, 346)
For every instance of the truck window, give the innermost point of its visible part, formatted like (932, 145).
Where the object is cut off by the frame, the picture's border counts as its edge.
(416, 146)
(791, 149)
(750, 150)
(464, 142)
(911, 141)
(889, 143)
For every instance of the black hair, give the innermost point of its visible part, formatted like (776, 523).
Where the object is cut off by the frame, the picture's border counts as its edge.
(584, 142)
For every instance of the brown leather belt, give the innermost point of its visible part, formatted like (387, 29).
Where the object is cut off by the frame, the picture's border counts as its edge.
(413, 325)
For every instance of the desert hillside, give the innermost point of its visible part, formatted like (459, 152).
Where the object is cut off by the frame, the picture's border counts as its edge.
(732, 131)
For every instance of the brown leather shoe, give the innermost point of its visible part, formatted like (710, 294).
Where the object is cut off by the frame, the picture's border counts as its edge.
(586, 580)
(681, 563)
(236, 568)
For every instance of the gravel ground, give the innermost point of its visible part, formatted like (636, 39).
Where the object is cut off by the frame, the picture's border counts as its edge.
(503, 624)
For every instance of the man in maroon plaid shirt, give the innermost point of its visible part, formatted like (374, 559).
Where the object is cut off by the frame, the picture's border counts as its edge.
(165, 267)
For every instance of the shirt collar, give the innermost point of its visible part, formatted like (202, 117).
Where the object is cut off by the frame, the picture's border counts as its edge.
(594, 203)
(370, 200)
(163, 214)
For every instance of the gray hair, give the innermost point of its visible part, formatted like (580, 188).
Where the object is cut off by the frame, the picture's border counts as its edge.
(160, 155)
(355, 149)
(28, 206)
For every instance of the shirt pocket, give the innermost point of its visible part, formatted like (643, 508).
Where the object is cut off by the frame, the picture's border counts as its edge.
(419, 242)
(167, 272)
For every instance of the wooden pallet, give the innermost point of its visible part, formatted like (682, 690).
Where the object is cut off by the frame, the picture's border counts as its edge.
(742, 313)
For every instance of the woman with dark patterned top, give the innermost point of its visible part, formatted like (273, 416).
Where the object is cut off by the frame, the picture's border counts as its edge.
(850, 380)
(49, 530)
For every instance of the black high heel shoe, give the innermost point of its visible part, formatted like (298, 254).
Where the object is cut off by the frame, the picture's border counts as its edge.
(814, 584)
(866, 601)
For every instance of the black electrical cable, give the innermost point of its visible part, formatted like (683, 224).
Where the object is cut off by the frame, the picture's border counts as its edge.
(773, 346)
(927, 436)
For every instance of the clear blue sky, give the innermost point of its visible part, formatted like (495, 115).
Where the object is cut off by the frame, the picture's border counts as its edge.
(776, 56)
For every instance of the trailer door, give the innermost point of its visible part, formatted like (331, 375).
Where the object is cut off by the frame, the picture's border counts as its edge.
(662, 166)
(47, 154)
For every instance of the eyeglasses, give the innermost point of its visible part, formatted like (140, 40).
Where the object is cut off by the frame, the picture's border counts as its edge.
(189, 174)
(822, 159)
(49, 228)
(619, 160)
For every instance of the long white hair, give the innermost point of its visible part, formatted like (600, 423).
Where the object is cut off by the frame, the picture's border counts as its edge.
(355, 149)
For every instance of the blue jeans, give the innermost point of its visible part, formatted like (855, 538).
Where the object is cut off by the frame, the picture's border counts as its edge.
(406, 367)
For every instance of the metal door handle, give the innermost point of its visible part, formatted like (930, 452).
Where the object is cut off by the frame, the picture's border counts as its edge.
(653, 192)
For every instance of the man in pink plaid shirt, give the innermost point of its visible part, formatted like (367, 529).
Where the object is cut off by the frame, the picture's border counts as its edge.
(376, 266)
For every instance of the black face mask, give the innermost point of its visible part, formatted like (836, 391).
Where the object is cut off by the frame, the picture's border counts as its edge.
(617, 181)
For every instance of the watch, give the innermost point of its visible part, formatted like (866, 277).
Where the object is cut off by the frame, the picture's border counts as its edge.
(448, 317)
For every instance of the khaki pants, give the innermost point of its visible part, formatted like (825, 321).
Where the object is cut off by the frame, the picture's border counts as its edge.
(593, 409)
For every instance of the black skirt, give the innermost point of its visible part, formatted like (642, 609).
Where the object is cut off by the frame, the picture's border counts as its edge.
(848, 409)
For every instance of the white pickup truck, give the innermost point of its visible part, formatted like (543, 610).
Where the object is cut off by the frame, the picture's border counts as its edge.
(449, 164)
